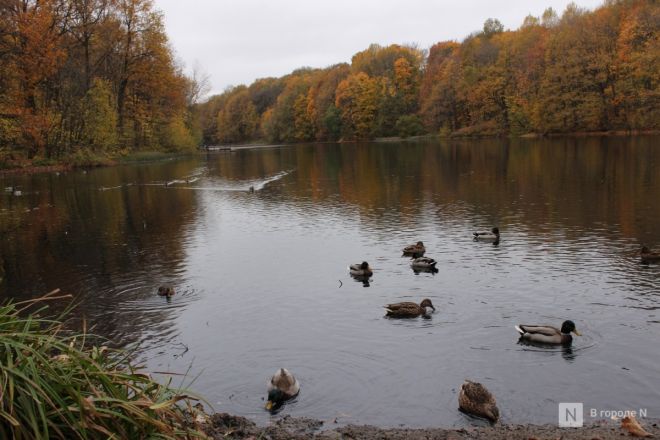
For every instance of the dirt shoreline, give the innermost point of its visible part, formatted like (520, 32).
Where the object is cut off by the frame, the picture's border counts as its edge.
(224, 426)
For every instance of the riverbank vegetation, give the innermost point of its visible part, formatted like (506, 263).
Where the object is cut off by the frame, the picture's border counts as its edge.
(58, 384)
(81, 81)
(580, 71)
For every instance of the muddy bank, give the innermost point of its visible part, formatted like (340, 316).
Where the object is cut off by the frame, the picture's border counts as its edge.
(223, 426)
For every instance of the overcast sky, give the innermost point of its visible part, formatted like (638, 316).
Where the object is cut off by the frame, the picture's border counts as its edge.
(238, 41)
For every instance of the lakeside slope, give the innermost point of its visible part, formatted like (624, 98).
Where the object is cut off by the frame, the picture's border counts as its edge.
(222, 426)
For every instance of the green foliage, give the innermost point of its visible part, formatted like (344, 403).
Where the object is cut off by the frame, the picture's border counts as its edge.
(61, 385)
(99, 117)
(332, 122)
(176, 136)
(492, 26)
(409, 125)
(237, 121)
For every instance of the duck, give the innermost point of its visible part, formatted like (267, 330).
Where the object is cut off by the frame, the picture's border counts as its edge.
(648, 256)
(415, 249)
(493, 236)
(408, 309)
(423, 263)
(361, 270)
(282, 387)
(475, 399)
(545, 334)
(166, 291)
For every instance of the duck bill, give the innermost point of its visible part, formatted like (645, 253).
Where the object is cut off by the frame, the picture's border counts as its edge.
(269, 405)
(577, 333)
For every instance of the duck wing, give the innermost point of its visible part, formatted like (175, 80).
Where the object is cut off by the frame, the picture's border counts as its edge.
(401, 306)
(476, 392)
(476, 399)
(545, 330)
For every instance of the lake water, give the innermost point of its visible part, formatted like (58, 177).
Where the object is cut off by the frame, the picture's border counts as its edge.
(262, 280)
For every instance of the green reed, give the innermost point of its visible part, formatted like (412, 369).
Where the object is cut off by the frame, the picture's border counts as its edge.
(54, 384)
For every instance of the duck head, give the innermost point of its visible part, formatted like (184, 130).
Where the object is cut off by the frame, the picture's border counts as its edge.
(496, 231)
(427, 303)
(275, 399)
(569, 327)
(644, 250)
(420, 244)
(364, 265)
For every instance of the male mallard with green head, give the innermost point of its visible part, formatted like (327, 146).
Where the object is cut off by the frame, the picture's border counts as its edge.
(475, 399)
(546, 334)
(166, 291)
(492, 237)
(415, 249)
(282, 387)
(408, 309)
(361, 270)
(648, 256)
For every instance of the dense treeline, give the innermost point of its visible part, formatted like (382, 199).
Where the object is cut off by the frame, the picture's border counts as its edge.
(583, 71)
(89, 76)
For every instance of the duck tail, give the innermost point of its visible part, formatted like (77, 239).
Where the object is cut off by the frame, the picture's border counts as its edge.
(520, 330)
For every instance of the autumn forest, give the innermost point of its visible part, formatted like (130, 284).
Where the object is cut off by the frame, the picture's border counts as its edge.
(88, 77)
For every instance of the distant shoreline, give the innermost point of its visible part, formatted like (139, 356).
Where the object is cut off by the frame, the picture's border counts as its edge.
(152, 156)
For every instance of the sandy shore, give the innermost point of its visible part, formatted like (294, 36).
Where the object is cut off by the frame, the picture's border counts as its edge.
(224, 426)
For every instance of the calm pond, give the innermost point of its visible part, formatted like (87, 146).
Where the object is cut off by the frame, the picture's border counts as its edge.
(262, 281)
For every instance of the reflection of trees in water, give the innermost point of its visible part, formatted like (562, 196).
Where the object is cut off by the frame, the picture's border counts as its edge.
(115, 247)
(105, 247)
(571, 183)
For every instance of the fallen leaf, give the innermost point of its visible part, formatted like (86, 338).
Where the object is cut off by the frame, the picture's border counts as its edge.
(630, 424)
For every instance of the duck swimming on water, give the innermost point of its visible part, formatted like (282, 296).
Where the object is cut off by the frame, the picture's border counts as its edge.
(546, 334)
(166, 291)
(415, 249)
(361, 270)
(491, 237)
(648, 256)
(282, 387)
(408, 309)
(475, 399)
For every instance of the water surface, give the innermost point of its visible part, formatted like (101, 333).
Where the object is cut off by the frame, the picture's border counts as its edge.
(262, 281)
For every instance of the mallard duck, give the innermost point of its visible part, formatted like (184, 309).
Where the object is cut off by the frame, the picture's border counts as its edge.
(408, 309)
(492, 236)
(545, 334)
(423, 263)
(416, 249)
(166, 291)
(475, 399)
(361, 270)
(648, 256)
(282, 386)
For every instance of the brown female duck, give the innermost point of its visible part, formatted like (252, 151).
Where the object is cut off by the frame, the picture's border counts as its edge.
(475, 399)
(166, 291)
(408, 309)
(648, 256)
(415, 249)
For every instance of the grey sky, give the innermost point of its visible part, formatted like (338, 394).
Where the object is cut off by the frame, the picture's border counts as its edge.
(238, 41)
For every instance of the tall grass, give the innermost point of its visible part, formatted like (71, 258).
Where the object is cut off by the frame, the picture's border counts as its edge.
(54, 384)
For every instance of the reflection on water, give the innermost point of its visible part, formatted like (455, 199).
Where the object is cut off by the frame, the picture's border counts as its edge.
(262, 282)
